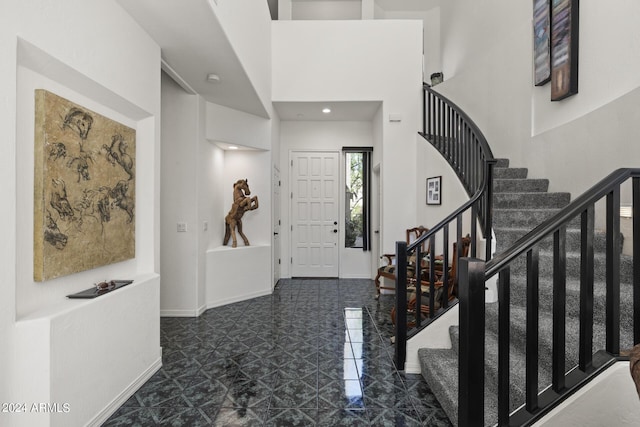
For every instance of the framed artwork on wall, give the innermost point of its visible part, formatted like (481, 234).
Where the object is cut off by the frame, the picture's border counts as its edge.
(541, 42)
(564, 48)
(84, 176)
(434, 189)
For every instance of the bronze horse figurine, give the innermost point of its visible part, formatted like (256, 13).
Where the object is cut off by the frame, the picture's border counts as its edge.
(241, 203)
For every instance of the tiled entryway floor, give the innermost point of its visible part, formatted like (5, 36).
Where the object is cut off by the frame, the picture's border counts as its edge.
(314, 353)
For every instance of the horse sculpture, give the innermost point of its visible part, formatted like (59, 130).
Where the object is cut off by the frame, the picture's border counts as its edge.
(241, 203)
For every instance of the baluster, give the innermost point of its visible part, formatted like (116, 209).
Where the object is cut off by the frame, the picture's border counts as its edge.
(533, 297)
(432, 277)
(585, 358)
(424, 110)
(504, 323)
(613, 271)
(445, 267)
(474, 229)
(418, 276)
(559, 308)
(440, 103)
(488, 209)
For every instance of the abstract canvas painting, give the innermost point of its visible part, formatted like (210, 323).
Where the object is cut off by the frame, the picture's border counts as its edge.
(564, 49)
(541, 41)
(84, 188)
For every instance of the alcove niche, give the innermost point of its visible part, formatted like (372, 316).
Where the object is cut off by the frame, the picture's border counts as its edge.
(243, 272)
(90, 353)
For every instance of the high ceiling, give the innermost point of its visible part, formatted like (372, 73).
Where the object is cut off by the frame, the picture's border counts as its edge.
(193, 45)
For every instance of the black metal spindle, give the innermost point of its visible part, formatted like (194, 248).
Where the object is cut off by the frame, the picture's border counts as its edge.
(533, 297)
(474, 231)
(559, 308)
(432, 278)
(445, 267)
(488, 208)
(587, 219)
(504, 325)
(425, 94)
(418, 276)
(613, 271)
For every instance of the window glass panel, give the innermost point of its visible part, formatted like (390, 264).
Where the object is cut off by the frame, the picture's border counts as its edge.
(354, 200)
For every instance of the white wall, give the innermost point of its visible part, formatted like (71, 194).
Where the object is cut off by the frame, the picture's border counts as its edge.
(247, 24)
(327, 136)
(236, 127)
(180, 161)
(488, 72)
(111, 66)
(610, 399)
(431, 37)
(381, 62)
(326, 9)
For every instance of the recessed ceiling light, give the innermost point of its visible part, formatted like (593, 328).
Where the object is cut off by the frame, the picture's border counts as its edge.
(326, 110)
(233, 147)
(213, 78)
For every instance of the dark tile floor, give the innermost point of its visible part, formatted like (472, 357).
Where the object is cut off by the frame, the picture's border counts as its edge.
(315, 353)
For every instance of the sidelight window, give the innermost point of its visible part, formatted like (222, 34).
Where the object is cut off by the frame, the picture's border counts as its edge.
(357, 197)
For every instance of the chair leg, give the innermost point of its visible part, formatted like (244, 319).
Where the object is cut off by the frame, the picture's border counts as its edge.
(377, 282)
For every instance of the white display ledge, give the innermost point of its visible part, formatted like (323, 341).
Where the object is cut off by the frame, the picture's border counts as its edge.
(90, 354)
(237, 274)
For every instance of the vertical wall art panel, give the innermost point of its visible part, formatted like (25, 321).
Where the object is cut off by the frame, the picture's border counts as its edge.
(541, 41)
(564, 48)
(84, 191)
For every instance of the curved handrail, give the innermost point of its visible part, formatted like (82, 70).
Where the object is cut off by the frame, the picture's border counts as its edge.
(483, 141)
(461, 143)
(459, 140)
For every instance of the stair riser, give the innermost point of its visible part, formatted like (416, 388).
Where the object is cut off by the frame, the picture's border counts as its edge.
(506, 238)
(545, 298)
(518, 267)
(502, 163)
(531, 200)
(518, 218)
(510, 173)
(520, 185)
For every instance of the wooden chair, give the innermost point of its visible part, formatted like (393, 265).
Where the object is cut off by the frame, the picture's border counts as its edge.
(439, 287)
(389, 271)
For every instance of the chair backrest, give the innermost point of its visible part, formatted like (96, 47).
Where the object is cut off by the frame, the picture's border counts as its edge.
(414, 234)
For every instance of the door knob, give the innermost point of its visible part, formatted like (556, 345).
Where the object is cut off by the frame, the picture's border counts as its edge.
(335, 231)
(335, 222)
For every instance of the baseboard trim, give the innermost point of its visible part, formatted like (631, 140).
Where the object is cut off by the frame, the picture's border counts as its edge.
(116, 403)
(182, 313)
(238, 298)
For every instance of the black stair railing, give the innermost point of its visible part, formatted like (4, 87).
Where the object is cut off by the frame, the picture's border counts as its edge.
(474, 273)
(465, 148)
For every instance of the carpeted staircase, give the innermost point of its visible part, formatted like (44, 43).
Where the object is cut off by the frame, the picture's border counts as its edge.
(520, 204)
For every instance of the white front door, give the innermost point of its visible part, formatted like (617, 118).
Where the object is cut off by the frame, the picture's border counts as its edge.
(314, 214)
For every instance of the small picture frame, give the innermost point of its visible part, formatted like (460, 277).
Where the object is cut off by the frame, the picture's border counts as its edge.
(434, 190)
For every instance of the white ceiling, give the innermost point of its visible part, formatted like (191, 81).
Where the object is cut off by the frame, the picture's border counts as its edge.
(193, 45)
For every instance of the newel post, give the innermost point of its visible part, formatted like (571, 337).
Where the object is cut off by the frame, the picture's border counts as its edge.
(401, 305)
(471, 289)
